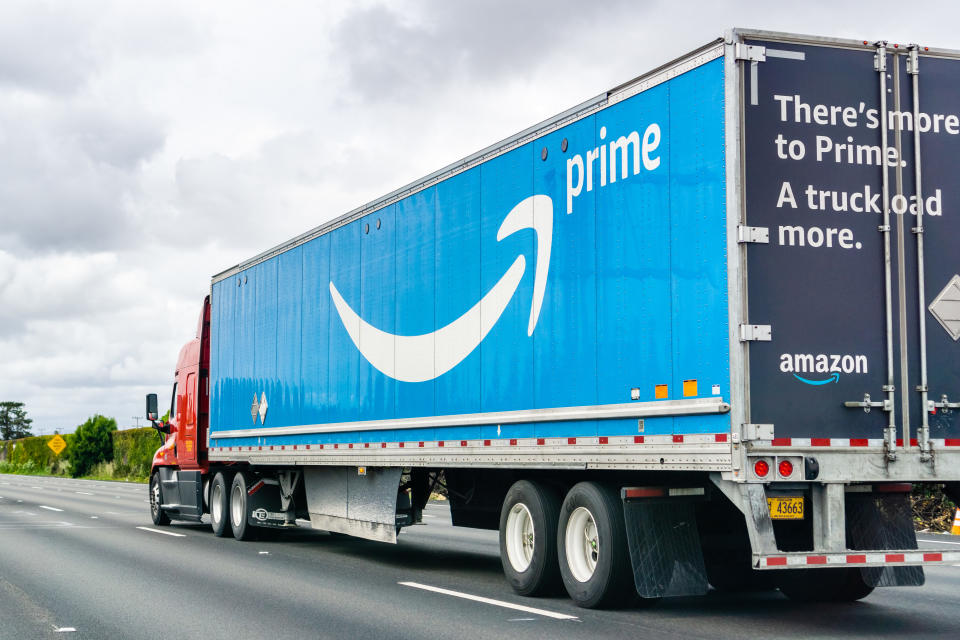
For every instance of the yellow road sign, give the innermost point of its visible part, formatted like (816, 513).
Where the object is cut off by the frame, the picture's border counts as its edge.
(57, 443)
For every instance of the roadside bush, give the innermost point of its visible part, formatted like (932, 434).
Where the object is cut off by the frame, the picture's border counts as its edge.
(132, 454)
(92, 444)
(133, 451)
(34, 450)
(932, 509)
(28, 468)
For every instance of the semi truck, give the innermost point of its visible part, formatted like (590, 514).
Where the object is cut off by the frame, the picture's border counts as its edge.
(699, 330)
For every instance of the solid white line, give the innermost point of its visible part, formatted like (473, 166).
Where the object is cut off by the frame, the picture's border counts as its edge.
(939, 542)
(83, 493)
(166, 533)
(499, 603)
(49, 508)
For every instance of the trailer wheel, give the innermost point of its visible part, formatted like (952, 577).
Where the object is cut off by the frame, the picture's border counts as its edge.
(240, 509)
(824, 585)
(160, 517)
(592, 543)
(220, 505)
(528, 538)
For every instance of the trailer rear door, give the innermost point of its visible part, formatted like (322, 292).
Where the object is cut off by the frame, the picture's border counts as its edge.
(837, 279)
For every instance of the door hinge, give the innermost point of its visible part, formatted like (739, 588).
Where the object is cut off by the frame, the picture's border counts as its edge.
(752, 431)
(751, 52)
(913, 60)
(880, 57)
(758, 235)
(755, 333)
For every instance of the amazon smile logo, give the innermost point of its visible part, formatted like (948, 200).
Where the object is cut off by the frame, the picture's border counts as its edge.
(427, 356)
(820, 369)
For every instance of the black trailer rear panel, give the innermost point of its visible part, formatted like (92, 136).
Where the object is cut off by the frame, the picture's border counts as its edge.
(843, 325)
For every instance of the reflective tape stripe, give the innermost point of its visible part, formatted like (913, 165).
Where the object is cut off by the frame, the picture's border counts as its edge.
(880, 558)
(712, 439)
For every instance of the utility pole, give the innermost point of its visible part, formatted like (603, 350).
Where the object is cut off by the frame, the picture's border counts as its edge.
(138, 419)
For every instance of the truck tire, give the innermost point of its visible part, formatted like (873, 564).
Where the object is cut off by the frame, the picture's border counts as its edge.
(528, 538)
(160, 517)
(220, 504)
(592, 544)
(824, 585)
(240, 508)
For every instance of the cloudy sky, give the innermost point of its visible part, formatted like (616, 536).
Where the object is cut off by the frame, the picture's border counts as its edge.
(145, 146)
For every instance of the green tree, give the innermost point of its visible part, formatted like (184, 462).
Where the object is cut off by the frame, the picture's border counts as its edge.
(92, 444)
(14, 422)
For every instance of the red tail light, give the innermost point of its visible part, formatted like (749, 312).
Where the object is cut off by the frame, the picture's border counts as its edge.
(761, 468)
(786, 468)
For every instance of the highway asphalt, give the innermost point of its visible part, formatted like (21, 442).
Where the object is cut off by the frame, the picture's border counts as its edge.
(82, 559)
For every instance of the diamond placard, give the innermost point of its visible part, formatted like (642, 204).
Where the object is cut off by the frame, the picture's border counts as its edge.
(946, 307)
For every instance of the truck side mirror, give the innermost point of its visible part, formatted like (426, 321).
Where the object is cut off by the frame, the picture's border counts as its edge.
(152, 414)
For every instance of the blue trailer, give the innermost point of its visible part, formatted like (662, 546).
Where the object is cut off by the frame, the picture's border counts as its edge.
(698, 307)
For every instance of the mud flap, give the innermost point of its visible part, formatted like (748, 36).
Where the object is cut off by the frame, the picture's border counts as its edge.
(339, 499)
(665, 548)
(264, 506)
(883, 521)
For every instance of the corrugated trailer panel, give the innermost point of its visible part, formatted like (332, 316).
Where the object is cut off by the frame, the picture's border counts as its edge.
(698, 260)
(565, 272)
(457, 281)
(416, 277)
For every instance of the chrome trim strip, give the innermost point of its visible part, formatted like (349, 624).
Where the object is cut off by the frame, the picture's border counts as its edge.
(657, 408)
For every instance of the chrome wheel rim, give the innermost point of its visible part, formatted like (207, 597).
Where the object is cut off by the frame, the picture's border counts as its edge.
(520, 537)
(155, 496)
(582, 544)
(216, 503)
(236, 505)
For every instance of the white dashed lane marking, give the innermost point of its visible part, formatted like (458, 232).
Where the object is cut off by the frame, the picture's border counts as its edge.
(43, 506)
(166, 533)
(497, 603)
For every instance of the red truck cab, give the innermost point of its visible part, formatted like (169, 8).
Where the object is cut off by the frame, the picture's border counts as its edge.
(180, 464)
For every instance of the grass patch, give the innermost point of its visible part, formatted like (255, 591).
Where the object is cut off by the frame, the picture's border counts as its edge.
(108, 471)
(28, 468)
